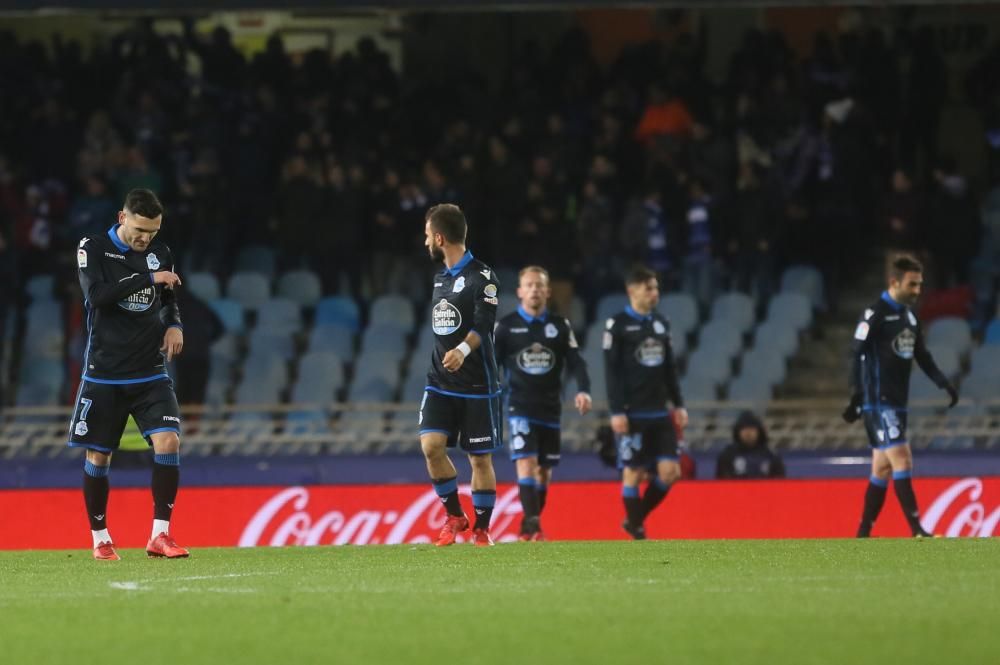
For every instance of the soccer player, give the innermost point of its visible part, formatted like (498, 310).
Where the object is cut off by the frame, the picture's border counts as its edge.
(461, 404)
(641, 376)
(534, 346)
(886, 341)
(134, 328)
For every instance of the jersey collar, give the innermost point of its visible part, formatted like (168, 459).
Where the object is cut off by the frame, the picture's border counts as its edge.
(636, 315)
(528, 318)
(113, 234)
(898, 306)
(457, 268)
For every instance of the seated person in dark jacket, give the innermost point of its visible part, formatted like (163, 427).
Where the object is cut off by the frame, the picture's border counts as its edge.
(748, 455)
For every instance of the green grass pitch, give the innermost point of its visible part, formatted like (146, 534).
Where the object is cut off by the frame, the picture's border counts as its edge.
(880, 601)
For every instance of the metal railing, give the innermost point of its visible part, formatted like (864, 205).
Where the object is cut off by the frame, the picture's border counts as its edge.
(344, 428)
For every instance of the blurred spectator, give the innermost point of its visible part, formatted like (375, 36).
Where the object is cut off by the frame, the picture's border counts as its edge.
(94, 211)
(699, 272)
(748, 456)
(954, 228)
(644, 234)
(902, 220)
(202, 327)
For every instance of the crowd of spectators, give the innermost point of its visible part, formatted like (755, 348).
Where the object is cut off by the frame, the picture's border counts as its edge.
(714, 184)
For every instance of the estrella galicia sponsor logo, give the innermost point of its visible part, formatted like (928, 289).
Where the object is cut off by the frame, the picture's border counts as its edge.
(445, 318)
(650, 353)
(139, 301)
(536, 360)
(903, 345)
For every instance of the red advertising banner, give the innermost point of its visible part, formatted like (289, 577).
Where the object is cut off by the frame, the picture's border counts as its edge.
(371, 514)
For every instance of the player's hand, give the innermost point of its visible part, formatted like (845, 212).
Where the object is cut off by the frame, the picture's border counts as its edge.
(952, 393)
(681, 417)
(453, 360)
(619, 424)
(167, 278)
(583, 403)
(173, 342)
(853, 411)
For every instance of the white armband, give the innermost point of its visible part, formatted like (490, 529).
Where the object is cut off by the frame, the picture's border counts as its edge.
(464, 349)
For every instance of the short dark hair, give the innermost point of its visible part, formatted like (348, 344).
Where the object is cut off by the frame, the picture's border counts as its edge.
(144, 203)
(448, 220)
(903, 264)
(639, 275)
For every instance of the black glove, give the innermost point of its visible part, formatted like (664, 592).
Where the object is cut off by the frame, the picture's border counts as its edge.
(952, 393)
(853, 411)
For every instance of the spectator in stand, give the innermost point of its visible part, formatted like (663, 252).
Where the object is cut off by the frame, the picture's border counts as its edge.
(954, 232)
(93, 211)
(645, 237)
(699, 271)
(902, 220)
(665, 115)
(749, 456)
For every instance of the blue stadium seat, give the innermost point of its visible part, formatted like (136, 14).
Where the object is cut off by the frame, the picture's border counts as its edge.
(777, 337)
(393, 310)
(43, 315)
(333, 338)
(922, 388)
(267, 342)
(709, 364)
(806, 280)
(735, 308)
(722, 337)
(384, 338)
(698, 388)
(763, 365)
(338, 310)
(950, 331)
(40, 382)
(413, 386)
(257, 258)
(577, 314)
(610, 305)
(682, 311)
(981, 386)
(44, 343)
(371, 389)
(377, 365)
(320, 376)
(751, 388)
(790, 309)
(205, 285)
(947, 359)
(231, 315)
(279, 316)
(301, 286)
(40, 288)
(985, 359)
(266, 368)
(249, 289)
(992, 332)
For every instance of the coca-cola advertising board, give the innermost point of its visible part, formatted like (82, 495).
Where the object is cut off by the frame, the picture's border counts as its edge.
(390, 514)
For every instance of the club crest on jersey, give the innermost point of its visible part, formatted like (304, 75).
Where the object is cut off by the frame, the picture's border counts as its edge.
(536, 360)
(551, 332)
(903, 345)
(518, 443)
(459, 285)
(650, 353)
(81, 428)
(152, 262)
(658, 328)
(139, 301)
(445, 318)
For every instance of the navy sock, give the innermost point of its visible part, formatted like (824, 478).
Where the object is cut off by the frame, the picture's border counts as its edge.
(447, 491)
(874, 500)
(483, 502)
(528, 491)
(656, 492)
(543, 493)
(903, 484)
(633, 505)
(166, 479)
(96, 488)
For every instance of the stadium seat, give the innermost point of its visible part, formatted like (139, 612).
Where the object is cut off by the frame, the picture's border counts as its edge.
(393, 310)
(371, 389)
(266, 368)
(985, 359)
(231, 315)
(922, 388)
(682, 311)
(280, 345)
(946, 358)
(750, 387)
(806, 280)
(338, 310)
(249, 289)
(790, 309)
(301, 286)
(710, 365)
(577, 314)
(413, 386)
(721, 337)
(257, 258)
(735, 308)
(698, 388)
(981, 386)
(40, 382)
(377, 364)
(384, 338)
(40, 288)
(950, 331)
(204, 285)
(610, 305)
(44, 343)
(43, 315)
(992, 332)
(279, 316)
(320, 375)
(777, 337)
(333, 338)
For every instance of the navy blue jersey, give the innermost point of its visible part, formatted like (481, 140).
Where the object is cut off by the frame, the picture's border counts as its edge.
(464, 301)
(640, 372)
(533, 352)
(886, 342)
(126, 313)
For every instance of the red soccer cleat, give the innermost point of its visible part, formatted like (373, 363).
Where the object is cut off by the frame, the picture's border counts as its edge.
(525, 537)
(455, 525)
(106, 552)
(481, 538)
(538, 537)
(164, 546)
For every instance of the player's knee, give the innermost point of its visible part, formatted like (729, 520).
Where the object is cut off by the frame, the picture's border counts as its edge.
(166, 442)
(670, 474)
(527, 467)
(432, 447)
(481, 462)
(98, 458)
